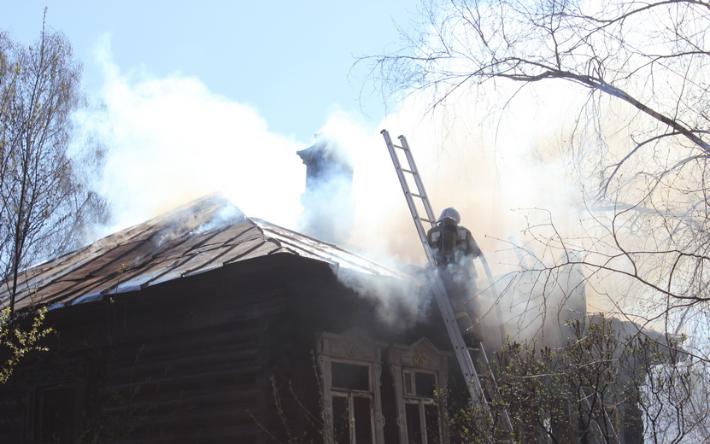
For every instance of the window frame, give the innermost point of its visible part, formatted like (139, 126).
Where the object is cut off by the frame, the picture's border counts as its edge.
(351, 394)
(421, 401)
(355, 348)
(420, 357)
(413, 371)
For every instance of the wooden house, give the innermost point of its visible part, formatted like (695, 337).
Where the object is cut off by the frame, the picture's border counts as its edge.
(204, 325)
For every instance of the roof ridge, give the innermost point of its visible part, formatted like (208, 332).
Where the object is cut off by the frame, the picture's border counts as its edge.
(369, 261)
(197, 237)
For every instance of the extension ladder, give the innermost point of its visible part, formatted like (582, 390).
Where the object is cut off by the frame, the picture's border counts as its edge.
(461, 350)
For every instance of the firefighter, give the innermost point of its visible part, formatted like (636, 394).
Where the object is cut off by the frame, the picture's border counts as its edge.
(451, 242)
(454, 251)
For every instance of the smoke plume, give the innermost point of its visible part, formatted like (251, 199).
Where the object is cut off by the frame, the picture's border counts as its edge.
(170, 139)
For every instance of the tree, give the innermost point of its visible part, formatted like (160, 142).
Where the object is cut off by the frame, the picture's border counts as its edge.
(640, 141)
(650, 56)
(44, 199)
(641, 138)
(591, 389)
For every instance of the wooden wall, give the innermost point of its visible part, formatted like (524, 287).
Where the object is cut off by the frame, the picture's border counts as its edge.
(207, 358)
(187, 361)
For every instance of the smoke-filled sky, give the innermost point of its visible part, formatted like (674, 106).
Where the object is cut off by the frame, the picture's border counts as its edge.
(196, 98)
(189, 100)
(192, 99)
(172, 138)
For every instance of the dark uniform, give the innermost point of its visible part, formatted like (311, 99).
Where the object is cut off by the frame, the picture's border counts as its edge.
(451, 243)
(454, 250)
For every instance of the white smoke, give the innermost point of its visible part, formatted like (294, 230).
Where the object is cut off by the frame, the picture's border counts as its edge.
(399, 303)
(491, 173)
(170, 140)
(484, 171)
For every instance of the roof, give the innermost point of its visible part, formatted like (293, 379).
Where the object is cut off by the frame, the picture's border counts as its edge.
(203, 235)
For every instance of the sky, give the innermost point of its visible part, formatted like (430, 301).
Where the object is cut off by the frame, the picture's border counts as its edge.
(291, 61)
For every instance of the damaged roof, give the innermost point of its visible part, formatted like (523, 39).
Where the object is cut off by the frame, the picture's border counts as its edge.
(201, 236)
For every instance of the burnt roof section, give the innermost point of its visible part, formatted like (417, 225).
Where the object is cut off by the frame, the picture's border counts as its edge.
(203, 235)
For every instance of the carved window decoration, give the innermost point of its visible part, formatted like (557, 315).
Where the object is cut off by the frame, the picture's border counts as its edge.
(418, 371)
(350, 371)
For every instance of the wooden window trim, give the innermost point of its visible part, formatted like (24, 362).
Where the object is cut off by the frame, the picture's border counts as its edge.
(420, 357)
(351, 347)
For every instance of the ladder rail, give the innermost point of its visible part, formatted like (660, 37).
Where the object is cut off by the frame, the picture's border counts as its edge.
(461, 350)
(442, 301)
(407, 192)
(417, 178)
(431, 218)
(494, 383)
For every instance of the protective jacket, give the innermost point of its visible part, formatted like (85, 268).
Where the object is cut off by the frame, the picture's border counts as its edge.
(454, 250)
(451, 243)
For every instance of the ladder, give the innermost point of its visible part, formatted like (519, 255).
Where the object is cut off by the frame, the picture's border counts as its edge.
(461, 350)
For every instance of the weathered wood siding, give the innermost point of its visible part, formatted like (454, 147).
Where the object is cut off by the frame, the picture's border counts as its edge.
(183, 362)
(206, 358)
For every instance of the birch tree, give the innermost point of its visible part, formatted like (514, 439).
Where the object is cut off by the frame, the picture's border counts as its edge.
(44, 199)
(640, 141)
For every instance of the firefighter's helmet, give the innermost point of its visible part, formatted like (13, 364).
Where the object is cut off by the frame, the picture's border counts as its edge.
(450, 214)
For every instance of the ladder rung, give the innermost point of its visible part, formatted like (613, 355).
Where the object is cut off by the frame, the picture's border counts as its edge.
(481, 384)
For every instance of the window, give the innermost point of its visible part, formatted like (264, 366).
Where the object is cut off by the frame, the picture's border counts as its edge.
(418, 383)
(421, 409)
(350, 366)
(350, 376)
(352, 403)
(417, 371)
